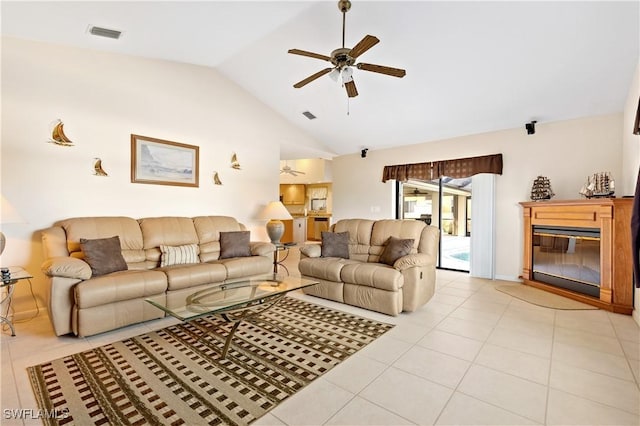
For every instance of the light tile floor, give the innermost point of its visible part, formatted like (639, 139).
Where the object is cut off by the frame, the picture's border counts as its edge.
(472, 355)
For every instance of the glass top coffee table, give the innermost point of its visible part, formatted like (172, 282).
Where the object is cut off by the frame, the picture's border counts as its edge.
(233, 301)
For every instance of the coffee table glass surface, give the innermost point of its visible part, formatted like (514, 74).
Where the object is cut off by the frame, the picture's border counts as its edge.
(227, 298)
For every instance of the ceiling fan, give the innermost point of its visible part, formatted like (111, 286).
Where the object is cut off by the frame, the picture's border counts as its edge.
(344, 58)
(288, 170)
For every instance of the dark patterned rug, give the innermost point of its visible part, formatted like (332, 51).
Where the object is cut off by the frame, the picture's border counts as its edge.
(175, 376)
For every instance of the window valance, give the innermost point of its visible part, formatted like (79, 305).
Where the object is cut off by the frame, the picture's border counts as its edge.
(458, 168)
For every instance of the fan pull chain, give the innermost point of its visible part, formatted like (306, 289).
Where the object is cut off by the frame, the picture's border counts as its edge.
(348, 104)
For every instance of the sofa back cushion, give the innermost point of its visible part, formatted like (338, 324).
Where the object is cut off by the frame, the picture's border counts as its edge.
(384, 229)
(168, 231)
(126, 228)
(359, 236)
(208, 229)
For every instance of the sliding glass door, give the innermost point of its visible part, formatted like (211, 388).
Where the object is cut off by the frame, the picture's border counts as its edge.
(446, 204)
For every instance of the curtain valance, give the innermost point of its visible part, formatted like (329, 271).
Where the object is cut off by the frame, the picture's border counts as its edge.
(458, 168)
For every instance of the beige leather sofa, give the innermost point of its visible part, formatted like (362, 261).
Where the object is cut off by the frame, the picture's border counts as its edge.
(361, 280)
(87, 305)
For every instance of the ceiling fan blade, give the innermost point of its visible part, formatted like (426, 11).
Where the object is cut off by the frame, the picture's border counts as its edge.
(352, 92)
(309, 54)
(312, 77)
(365, 44)
(395, 72)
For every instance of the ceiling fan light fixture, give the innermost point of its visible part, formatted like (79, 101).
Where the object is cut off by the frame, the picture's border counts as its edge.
(347, 75)
(334, 74)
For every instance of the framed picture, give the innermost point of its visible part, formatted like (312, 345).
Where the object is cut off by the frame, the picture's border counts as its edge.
(160, 162)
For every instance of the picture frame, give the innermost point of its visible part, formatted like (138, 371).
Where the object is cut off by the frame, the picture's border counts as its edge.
(161, 162)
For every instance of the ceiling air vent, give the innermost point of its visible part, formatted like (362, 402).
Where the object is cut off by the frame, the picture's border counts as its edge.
(105, 32)
(308, 115)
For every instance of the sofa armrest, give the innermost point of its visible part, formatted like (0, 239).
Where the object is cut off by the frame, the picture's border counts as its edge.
(261, 249)
(416, 259)
(67, 267)
(311, 250)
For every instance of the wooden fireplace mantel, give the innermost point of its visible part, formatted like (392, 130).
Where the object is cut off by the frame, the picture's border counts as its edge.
(613, 217)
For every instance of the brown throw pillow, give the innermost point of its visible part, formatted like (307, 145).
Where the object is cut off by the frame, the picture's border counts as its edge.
(104, 255)
(395, 249)
(335, 244)
(234, 244)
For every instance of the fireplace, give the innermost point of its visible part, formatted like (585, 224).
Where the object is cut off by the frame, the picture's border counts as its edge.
(580, 249)
(567, 257)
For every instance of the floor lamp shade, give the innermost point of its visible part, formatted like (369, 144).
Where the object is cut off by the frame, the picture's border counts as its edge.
(8, 214)
(275, 212)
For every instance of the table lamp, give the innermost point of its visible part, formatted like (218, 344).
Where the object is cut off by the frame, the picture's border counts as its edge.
(275, 212)
(8, 214)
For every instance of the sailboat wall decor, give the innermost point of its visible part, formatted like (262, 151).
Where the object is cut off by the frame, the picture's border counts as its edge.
(57, 134)
(234, 162)
(216, 179)
(97, 168)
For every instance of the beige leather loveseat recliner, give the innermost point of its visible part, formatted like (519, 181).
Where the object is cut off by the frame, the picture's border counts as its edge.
(362, 280)
(85, 304)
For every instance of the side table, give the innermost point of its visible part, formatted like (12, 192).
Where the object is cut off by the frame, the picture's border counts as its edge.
(7, 285)
(279, 261)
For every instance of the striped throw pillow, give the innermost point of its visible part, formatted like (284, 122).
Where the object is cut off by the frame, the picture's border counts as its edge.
(178, 255)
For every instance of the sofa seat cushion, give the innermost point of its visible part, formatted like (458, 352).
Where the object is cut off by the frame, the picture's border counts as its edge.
(324, 268)
(192, 274)
(239, 267)
(119, 286)
(376, 275)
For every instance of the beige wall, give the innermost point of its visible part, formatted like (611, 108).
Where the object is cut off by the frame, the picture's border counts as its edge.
(631, 154)
(567, 152)
(103, 98)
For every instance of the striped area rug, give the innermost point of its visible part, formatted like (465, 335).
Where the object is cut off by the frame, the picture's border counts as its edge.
(175, 376)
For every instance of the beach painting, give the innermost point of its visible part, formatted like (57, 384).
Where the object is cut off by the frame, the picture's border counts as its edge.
(161, 162)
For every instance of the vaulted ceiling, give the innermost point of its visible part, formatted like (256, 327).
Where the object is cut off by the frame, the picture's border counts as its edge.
(472, 67)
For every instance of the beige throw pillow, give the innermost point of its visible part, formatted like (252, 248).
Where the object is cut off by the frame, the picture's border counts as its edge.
(395, 249)
(104, 255)
(178, 255)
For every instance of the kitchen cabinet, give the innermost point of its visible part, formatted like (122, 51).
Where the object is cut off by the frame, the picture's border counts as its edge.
(292, 194)
(310, 230)
(320, 225)
(287, 237)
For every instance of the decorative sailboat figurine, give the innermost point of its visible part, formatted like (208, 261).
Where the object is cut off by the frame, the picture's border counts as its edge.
(99, 171)
(57, 135)
(216, 179)
(541, 189)
(234, 162)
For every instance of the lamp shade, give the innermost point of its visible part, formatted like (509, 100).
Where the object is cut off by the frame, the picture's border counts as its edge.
(275, 210)
(8, 214)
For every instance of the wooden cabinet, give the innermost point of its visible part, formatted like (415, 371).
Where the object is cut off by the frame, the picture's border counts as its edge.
(612, 217)
(310, 231)
(292, 194)
(287, 237)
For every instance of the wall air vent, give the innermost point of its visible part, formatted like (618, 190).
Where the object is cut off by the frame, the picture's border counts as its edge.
(105, 32)
(308, 115)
